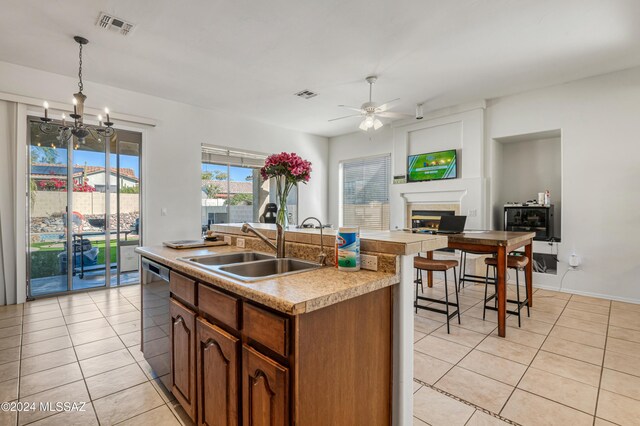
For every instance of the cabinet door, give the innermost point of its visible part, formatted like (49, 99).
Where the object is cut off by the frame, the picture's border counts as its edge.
(183, 357)
(217, 376)
(265, 390)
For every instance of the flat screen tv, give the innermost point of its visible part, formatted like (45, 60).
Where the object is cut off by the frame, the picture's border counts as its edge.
(432, 166)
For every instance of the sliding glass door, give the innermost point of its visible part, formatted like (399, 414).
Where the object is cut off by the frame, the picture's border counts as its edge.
(84, 211)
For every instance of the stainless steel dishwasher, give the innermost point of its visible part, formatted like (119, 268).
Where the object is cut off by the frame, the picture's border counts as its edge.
(156, 320)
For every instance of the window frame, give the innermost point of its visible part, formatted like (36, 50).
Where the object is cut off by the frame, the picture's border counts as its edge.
(234, 157)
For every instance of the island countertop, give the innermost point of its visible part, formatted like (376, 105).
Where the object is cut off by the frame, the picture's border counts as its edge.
(292, 294)
(310, 290)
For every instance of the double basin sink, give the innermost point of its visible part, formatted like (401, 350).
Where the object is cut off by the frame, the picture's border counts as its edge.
(250, 266)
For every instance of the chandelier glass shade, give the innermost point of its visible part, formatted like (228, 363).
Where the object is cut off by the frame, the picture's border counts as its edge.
(76, 126)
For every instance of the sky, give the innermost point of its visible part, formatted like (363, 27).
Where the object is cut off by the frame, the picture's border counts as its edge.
(237, 173)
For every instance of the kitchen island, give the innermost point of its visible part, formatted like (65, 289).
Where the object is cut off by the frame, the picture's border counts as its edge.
(317, 347)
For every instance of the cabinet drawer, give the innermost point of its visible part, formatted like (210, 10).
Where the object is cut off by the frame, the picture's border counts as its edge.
(266, 328)
(219, 305)
(184, 288)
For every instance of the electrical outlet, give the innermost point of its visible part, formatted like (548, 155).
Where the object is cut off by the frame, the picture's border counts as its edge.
(574, 261)
(473, 213)
(369, 262)
(227, 239)
(240, 242)
(163, 211)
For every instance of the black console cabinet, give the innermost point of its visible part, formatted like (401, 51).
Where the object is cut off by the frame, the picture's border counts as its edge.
(538, 219)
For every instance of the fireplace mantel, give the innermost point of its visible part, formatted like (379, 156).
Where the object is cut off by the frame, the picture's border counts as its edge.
(466, 194)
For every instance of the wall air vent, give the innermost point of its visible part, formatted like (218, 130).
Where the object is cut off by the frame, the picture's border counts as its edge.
(306, 94)
(117, 25)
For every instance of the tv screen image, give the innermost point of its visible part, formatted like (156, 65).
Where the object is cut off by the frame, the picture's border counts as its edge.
(432, 166)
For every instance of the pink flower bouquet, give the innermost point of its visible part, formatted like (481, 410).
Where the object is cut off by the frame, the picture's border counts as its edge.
(288, 169)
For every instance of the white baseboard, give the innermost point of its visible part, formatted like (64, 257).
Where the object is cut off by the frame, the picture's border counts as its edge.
(588, 293)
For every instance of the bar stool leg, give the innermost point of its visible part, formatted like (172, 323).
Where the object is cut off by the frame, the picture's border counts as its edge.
(526, 285)
(518, 294)
(415, 303)
(486, 285)
(455, 282)
(446, 299)
(463, 270)
(495, 286)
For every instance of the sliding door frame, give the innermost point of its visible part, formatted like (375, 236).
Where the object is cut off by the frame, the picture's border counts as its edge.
(24, 116)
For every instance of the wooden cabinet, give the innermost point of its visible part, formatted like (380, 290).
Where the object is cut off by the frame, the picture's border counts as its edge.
(265, 390)
(235, 362)
(183, 356)
(217, 371)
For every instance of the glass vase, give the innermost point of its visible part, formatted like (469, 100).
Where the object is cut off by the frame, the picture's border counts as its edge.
(283, 188)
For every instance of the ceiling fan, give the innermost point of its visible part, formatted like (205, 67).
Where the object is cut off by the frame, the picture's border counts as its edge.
(371, 111)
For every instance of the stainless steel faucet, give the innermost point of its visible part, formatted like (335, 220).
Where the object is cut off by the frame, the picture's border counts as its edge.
(322, 257)
(278, 247)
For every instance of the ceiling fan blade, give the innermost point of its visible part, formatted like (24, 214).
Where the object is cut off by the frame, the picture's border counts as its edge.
(346, 116)
(351, 107)
(389, 114)
(385, 105)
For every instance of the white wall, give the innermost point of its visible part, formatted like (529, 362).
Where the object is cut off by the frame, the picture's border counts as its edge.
(598, 118)
(172, 149)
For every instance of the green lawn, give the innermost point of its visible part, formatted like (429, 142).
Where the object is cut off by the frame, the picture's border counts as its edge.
(45, 263)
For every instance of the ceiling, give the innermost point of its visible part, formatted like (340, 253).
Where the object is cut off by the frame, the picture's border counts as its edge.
(250, 57)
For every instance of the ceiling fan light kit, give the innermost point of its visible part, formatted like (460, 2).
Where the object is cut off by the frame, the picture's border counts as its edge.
(78, 129)
(370, 111)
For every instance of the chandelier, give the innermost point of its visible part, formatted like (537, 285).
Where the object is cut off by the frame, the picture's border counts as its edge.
(78, 128)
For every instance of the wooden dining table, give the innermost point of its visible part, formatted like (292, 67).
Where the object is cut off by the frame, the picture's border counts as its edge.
(500, 243)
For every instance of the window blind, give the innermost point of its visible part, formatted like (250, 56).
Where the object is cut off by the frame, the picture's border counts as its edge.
(365, 192)
(222, 155)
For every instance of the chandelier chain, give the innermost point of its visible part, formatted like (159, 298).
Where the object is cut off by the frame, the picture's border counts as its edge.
(80, 85)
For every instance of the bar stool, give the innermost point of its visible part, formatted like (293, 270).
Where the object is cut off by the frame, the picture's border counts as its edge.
(518, 263)
(432, 265)
(464, 277)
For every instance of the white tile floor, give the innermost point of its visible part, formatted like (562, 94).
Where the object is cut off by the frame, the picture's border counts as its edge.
(81, 348)
(575, 361)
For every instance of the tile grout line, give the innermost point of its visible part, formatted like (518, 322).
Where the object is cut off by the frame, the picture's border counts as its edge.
(456, 365)
(147, 379)
(604, 355)
(95, 414)
(20, 363)
(532, 359)
(464, 401)
(529, 366)
(475, 348)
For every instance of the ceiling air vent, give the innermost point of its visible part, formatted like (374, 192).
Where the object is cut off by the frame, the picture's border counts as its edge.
(117, 25)
(306, 94)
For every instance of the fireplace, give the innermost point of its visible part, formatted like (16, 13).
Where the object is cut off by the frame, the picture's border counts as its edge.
(428, 219)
